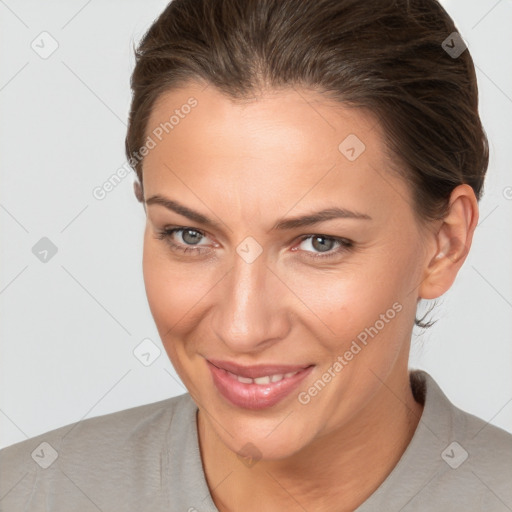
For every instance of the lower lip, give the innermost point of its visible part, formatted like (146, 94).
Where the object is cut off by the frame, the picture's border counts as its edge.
(255, 396)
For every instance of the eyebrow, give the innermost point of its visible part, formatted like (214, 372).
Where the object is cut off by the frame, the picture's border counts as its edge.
(282, 225)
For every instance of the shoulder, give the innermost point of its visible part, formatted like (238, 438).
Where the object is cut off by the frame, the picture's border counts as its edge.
(455, 461)
(478, 463)
(488, 443)
(485, 452)
(474, 457)
(117, 428)
(93, 453)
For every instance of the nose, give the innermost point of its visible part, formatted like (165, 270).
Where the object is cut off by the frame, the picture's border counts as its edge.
(250, 312)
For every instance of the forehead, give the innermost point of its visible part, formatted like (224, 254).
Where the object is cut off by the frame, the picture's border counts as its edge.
(292, 143)
(291, 111)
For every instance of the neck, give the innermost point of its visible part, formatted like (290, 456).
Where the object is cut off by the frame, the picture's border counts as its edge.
(337, 472)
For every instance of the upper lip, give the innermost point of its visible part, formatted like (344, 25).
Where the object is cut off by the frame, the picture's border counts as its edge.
(255, 371)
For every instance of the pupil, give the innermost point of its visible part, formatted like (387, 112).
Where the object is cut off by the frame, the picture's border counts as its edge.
(195, 238)
(322, 245)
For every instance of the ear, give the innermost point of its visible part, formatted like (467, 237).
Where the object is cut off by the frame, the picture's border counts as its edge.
(451, 244)
(137, 189)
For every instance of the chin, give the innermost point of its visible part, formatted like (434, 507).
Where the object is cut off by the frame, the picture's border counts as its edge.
(252, 442)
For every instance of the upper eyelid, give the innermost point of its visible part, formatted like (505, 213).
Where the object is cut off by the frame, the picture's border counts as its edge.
(301, 238)
(204, 232)
(344, 244)
(177, 229)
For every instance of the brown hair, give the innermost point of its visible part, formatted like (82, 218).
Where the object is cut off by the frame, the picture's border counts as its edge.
(387, 56)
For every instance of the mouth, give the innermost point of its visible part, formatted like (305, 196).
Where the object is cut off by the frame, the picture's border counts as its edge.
(256, 387)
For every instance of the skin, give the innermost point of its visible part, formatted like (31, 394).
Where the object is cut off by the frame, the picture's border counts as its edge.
(247, 165)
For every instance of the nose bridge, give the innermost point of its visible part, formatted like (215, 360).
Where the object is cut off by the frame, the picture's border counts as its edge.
(247, 315)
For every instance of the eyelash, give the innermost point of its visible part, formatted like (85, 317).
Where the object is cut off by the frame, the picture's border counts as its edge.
(166, 234)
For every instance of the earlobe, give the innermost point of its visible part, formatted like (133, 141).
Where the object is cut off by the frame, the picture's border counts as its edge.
(451, 245)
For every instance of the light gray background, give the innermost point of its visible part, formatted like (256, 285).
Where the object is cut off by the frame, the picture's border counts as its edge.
(69, 326)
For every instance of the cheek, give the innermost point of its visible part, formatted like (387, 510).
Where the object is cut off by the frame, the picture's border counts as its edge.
(366, 301)
(172, 294)
(343, 301)
(174, 291)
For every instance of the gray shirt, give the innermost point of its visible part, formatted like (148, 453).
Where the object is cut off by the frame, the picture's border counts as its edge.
(147, 458)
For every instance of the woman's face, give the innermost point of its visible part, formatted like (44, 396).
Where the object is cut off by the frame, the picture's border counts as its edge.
(262, 290)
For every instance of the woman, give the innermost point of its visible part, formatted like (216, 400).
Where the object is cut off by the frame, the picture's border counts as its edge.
(310, 171)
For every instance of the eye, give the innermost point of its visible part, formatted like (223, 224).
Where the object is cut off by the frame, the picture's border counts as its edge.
(188, 235)
(324, 244)
(190, 238)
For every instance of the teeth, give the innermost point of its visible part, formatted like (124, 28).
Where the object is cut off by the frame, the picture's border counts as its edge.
(262, 380)
(267, 379)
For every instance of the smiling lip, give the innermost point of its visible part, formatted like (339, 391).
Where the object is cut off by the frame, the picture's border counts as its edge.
(240, 386)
